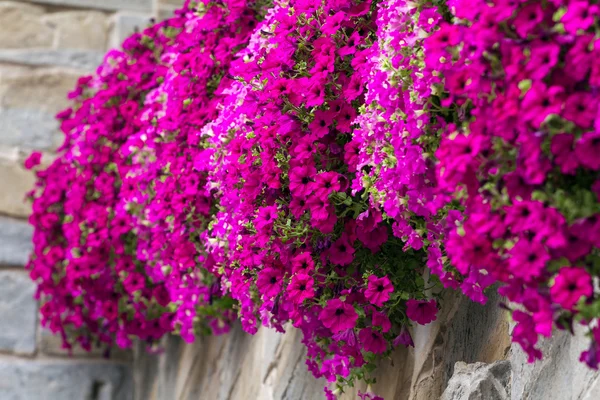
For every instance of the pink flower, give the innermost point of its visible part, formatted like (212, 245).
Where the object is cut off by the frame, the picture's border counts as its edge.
(381, 320)
(134, 282)
(570, 285)
(342, 252)
(421, 311)
(378, 290)
(404, 338)
(579, 15)
(303, 263)
(326, 183)
(338, 316)
(587, 149)
(319, 127)
(265, 218)
(269, 282)
(33, 160)
(301, 288)
(372, 341)
(301, 179)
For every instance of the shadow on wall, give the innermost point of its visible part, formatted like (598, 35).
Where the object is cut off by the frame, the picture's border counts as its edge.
(271, 366)
(465, 355)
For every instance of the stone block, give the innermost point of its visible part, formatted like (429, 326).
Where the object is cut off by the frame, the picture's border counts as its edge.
(559, 375)
(15, 242)
(16, 181)
(173, 3)
(18, 312)
(86, 30)
(134, 5)
(29, 100)
(479, 381)
(28, 129)
(60, 380)
(21, 27)
(126, 23)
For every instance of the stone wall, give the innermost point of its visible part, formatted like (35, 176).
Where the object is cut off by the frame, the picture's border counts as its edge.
(45, 45)
(465, 355)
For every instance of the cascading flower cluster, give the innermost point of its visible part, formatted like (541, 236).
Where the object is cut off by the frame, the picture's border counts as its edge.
(171, 202)
(293, 242)
(522, 156)
(113, 258)
(398, 135)
(327, 163)
(93, 289)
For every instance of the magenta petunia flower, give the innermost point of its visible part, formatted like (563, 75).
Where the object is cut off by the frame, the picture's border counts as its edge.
(303, 263)
(587, 149)
(301, 288)
(404, 338)
(338, 316)
(269, 282)
(378, 290)
(372, 341)
(570, 285)
(265, 218)
(33, 160)
(421, 311)
(580, 15)
(342, 251)
(381, 320)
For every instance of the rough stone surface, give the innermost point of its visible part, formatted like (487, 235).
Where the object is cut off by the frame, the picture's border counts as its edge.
(271, 366)
(559, 375)
(479, 381)
(21, 27)
(59, 380)
(15, 242)
(268, 366)
(79, 29)
(18, 311)
(126, 23)
(29, 100)
(136, 5)
(465, 354)
(15, 182)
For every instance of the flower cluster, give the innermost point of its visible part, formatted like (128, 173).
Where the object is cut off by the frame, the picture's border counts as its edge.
(521, 155)
(294, 242)
(330, 164)
(115, 256)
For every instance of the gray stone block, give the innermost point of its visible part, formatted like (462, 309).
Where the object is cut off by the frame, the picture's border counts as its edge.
(57, 380)
(87, 60)
(28, 129)
(134, 5)
(15, 242)
(18, 313)
(479, 381)
(21, 27)
(559, 375)
(124, 24)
